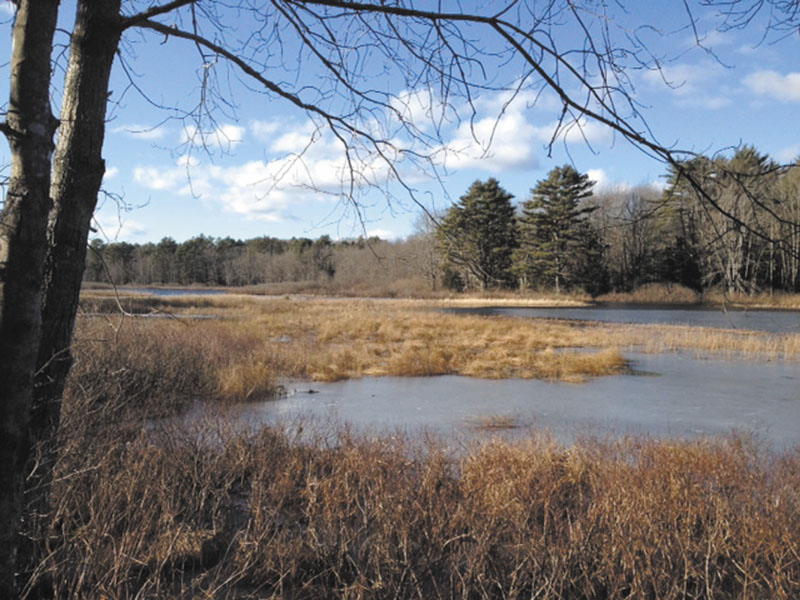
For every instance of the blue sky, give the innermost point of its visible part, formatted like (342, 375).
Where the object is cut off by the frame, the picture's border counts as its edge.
(250, 181)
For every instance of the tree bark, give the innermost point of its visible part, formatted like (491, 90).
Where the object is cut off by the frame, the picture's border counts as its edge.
(78, 169)
(29, 127)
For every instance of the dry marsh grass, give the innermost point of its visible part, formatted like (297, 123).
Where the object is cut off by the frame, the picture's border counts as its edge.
(261, 515)
(779, 300)
(703, 341)
(164, 365)
(655, 293)
(256, 340)
(358, 338)
(253, 342)
(667, 293)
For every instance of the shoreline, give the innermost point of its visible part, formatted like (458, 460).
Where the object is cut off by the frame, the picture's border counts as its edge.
(643, 299)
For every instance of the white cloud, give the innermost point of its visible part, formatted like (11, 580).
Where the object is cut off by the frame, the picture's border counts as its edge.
(115, 228)
(268, 190)
(156, 178)
(188, 160)
(141, 132)
(583, 131)
(692, 84)
(418, 108)
(384, 234)
(747, 50)
(265, 130)
(295, 141)
(224, 138)
(249, 190)
(230, 134)
(493, 144)
(110, 173)
(312, 165)
(603, 183)
(710, 102)
(789, 154)
(785, 88)
(714, 38)
(512, 140)
(7, 8)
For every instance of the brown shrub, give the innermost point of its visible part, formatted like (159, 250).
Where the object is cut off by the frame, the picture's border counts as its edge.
(206, 512)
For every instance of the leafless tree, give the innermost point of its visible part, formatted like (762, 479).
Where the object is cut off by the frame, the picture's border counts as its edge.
(342, 63)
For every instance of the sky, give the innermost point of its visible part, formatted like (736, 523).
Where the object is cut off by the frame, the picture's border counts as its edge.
(264, 169)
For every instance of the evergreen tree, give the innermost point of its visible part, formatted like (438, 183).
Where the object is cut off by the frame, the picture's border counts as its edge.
(195, 261)
(551, 229)
(589, 269)
(165, 260)
(478, 235)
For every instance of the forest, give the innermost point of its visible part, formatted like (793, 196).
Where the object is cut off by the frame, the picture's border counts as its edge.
(742, 236)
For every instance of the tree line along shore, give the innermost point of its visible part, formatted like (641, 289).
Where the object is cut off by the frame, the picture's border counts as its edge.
(565, 237)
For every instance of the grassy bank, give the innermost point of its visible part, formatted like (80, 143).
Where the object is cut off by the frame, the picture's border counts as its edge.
(212, 513)
(661, 293)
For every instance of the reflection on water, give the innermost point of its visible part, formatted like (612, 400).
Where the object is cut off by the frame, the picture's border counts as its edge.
(772, 321)
(671, 395)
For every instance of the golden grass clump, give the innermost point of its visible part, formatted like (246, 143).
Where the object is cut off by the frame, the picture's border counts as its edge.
(400, 338)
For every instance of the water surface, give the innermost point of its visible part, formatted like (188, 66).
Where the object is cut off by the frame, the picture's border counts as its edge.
(672, 395)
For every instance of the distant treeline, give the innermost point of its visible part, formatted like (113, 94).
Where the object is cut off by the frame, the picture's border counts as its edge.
(729, 223)
(266, 260)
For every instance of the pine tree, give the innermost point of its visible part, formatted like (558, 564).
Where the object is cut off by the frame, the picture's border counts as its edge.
(589, 268)
(478, 235)
(551, 229)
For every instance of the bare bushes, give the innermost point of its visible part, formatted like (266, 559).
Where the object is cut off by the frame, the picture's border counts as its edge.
(159, 365)
(139, 364)
(655, 293)
(206, 513)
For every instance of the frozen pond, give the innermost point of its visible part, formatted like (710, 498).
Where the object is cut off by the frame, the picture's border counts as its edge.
(669, 395)
(773, 321)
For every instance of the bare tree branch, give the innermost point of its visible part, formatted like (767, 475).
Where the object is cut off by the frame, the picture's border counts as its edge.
(154, 11)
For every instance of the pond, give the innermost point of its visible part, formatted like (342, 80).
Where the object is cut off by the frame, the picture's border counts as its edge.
(667, 395)
(772, 321)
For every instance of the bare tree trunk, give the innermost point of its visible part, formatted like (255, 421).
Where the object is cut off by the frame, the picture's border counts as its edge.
(78, 170)
(30, 127)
